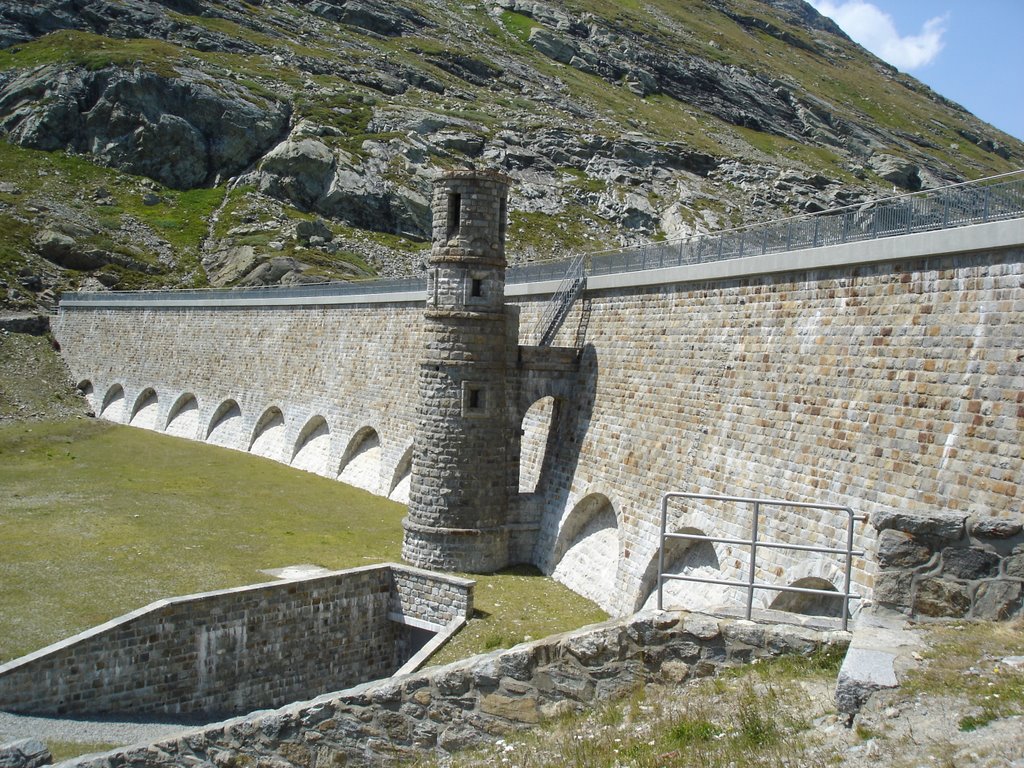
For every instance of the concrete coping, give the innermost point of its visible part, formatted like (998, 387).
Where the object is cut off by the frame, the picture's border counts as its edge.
(973, 238)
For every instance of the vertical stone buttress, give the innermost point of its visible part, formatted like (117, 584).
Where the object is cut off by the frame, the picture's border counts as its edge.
(459, 496)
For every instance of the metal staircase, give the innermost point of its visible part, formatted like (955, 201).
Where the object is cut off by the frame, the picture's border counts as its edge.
(562, 301)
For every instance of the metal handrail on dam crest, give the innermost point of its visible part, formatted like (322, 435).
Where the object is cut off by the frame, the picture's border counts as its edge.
(996, 198)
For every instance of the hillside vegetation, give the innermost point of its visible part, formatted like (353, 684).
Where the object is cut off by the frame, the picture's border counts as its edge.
(158, 143)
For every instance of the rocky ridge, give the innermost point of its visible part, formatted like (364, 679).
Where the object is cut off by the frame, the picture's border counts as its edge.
(193, 142)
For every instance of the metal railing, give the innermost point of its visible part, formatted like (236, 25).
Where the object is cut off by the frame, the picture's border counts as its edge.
(995, 198)
(992, 199)
(750, 584)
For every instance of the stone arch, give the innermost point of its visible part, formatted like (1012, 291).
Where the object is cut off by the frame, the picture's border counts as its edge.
(225, 427)
(810, 605)
(536, 433)
(146, 410)
(268, 436)
(113, 407)
(183, 418)
(402, 478)
(586, 553)
(360, 464)
(313, 446)
(87, 391)
(685, 557)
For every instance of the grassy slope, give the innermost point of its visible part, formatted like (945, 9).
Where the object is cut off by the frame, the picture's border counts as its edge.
(98, 519)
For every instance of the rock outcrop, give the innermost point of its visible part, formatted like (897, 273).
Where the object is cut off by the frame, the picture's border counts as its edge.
(658, 121)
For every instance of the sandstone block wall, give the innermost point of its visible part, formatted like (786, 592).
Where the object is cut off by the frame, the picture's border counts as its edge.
(473, 701)
(891, 386)
(321, 380)
(237, 650)
(894, 386)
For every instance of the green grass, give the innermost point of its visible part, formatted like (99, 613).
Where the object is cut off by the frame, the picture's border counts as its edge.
(93, 52)
(993, 690)
(99, 519)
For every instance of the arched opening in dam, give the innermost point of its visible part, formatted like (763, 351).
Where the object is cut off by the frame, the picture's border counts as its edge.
(145, 412)
(810, 605)
(360, 465)
(536, 430)
(114, 404)
(225, 427)
(697, 559)
(183, 418)
(268, 438)
(88, 392)
(402, 479)
(313, 447)
(586, 552)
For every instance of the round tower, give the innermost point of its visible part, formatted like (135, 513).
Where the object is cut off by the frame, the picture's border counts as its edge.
(458, 499)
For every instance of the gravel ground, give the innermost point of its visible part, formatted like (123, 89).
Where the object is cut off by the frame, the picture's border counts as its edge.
(54, 729)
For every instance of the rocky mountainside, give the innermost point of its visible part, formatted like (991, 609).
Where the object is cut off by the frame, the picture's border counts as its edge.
(220, 142)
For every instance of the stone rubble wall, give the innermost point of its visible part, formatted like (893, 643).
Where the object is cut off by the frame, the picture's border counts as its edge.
(473, 701)
(950, 565)
(237, 650)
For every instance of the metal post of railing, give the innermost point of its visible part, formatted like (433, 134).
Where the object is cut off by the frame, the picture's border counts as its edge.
(849, 567)
(753, 559)
(984, 205)
(661, 548)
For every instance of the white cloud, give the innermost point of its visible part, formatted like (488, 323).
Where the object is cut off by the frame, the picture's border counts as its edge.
(875, 30)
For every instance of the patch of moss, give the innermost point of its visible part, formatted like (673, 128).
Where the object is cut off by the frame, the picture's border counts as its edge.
(94, 52)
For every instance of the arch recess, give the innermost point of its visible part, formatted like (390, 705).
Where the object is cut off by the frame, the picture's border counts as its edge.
(183, 418)
(402, 478)
(536, 432)
(810, 605)
(586, 554)
(686, 558)
(313, 446)
(360, 466)
(225, 427)
(268, 438)
(113, 408)
(88, 392)
(146, 410)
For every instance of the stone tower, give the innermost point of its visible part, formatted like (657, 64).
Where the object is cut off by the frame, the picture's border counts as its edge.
(459, 497)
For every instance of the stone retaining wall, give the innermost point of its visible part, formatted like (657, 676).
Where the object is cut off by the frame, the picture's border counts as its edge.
(240, 649)
(950, 565)
(473, 701)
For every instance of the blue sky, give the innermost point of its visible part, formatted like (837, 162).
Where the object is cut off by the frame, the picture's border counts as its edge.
(970, 51)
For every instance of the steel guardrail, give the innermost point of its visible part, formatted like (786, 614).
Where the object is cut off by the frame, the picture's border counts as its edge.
(753, 543)
(995, 198)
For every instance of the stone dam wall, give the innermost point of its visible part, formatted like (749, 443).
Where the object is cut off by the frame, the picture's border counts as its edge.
(884, 376)
(238, 650)
(471, 702)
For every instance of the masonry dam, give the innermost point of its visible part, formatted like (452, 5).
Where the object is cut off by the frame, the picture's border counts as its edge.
(810, 361)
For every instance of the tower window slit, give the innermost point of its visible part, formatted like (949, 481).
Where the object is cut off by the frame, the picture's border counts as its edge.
(454, 214)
